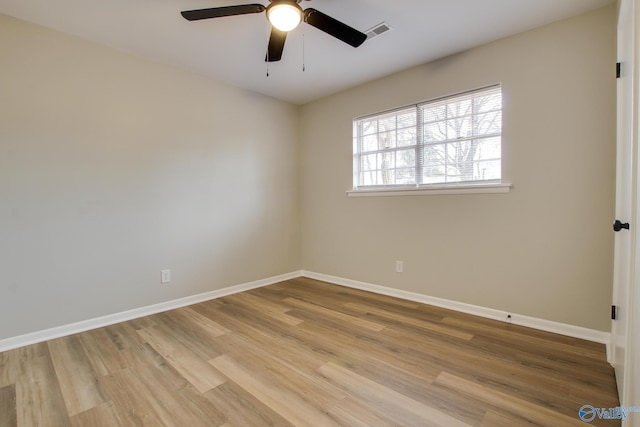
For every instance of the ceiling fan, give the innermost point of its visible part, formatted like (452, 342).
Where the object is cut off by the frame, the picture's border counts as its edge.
(284, 16)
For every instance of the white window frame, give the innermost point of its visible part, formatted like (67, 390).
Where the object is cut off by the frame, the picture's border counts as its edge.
(417, 147)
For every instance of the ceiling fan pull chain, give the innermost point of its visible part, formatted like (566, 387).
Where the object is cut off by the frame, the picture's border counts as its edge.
(267, 61)
(303, 55)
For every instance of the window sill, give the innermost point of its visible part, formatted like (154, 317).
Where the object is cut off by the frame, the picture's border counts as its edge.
(493, 188)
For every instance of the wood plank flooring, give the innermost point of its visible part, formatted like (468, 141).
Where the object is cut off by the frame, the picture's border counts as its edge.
(306, 353)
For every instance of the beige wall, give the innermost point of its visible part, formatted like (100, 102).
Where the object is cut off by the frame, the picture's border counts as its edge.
(542, 250)
(114, 167)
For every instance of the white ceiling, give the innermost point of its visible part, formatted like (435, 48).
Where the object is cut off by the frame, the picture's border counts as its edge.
(232, 49)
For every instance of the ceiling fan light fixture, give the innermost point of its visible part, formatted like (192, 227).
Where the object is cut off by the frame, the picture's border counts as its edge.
(284, 16)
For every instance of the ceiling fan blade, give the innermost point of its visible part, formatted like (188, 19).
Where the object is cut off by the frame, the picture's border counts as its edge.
(334, 27)
(276, 45)
(218, 12)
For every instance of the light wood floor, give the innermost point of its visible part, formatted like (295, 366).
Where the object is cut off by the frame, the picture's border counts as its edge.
(306, 353)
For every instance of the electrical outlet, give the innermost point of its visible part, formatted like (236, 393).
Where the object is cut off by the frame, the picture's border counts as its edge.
(399, 266)
(165, 276)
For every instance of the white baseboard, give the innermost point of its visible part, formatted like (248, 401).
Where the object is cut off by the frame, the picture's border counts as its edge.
(517, 319)
(98, 322)
(85, 325)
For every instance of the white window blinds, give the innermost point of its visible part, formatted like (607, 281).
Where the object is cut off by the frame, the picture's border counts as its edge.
(456, 139)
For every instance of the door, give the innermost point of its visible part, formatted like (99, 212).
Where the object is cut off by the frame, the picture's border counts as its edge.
(625, 189)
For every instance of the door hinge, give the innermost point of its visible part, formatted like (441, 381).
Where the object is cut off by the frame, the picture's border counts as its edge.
(618, 70)
(614, 312)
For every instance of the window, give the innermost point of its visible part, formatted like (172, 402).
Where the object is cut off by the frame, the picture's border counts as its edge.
(454, 140)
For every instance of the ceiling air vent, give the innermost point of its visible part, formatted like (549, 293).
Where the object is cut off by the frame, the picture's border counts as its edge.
(377, 30)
